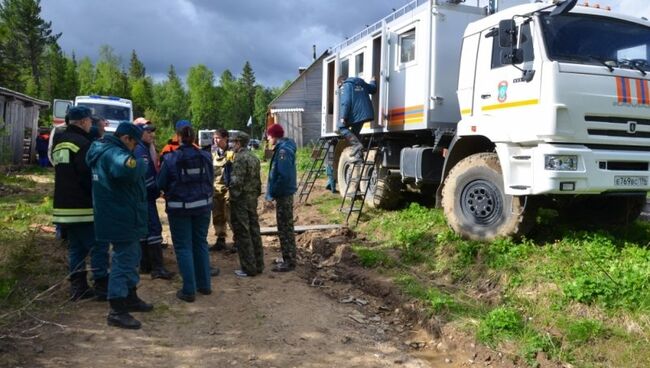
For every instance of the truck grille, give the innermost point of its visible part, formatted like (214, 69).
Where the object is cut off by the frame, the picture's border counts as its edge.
(614, 126)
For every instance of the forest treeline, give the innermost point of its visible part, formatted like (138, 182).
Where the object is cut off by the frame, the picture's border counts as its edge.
(32, 62)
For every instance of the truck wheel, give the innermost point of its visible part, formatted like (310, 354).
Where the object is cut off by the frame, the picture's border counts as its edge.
(344, 171)
(384, 190)
(475, 204)
(606, 211)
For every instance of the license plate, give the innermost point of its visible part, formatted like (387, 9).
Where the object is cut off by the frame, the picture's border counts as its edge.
(631, 181)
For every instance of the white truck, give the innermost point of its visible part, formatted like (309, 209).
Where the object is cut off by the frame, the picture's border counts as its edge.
(495, 111)
(114, 109)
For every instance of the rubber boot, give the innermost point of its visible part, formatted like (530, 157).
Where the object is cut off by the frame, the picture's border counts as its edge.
(145, 261)
(134, 304)
(101, 289)
(158, 270)
(79, 288)
(119, 315)
(357, 147)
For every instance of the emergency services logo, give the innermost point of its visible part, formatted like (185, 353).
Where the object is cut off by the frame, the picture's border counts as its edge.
(632, 92)
(503, 91)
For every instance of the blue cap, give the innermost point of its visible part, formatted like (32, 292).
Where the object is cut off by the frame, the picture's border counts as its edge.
(131, 130)
(79, 112)
(182, 124)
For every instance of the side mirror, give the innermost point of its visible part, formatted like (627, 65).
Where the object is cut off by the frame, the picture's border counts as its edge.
(507, 33)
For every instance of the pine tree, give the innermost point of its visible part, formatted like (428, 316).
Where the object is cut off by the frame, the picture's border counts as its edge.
(29, 34)
(136, 67)
(71, 80)
(247, 81)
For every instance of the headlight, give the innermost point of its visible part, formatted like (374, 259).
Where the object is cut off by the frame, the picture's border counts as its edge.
(561, 162)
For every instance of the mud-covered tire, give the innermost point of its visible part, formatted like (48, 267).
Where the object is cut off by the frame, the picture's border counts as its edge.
(475, 204)
(607, 211)
(384, 191)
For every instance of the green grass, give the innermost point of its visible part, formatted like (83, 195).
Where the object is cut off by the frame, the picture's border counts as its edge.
(30, 260)
(563, 291)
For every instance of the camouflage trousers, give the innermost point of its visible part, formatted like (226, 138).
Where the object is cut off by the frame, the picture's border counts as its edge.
(246, 231)
(220, 213)
(284, 218)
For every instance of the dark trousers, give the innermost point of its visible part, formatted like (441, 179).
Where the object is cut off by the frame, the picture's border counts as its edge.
(124, 268)
(81, 237)
(284, 218)
(190, 238)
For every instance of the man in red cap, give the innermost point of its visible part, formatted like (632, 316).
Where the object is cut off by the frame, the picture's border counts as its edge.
(280, 187)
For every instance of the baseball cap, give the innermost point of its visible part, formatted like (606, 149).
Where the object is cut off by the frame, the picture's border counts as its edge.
(145, 124)
(182, 123)
(79, 112)
(131, 130)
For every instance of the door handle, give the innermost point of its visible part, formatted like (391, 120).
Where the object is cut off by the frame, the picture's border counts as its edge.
(486, 96)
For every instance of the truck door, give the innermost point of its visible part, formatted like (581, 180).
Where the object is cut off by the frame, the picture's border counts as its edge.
(59, 110)
(503, 96)
(383, 82)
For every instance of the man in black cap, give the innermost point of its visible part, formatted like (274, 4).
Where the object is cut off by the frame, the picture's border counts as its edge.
(73, 206)
(120, 202)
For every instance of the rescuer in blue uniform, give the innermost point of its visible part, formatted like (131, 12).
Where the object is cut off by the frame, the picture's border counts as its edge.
(355, 109)
(152, 255)
(73, 206)
(120, 204)
(186, 178)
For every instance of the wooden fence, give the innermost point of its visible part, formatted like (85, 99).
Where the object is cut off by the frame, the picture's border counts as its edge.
(18, 126)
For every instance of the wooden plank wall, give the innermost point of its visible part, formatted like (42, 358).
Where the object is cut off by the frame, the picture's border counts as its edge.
(18, 118)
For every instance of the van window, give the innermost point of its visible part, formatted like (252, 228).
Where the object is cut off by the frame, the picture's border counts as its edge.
(358, 64)
(407, 46)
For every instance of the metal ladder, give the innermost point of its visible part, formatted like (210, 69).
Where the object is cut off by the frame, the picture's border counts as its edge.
(318, 155)
(361, 172)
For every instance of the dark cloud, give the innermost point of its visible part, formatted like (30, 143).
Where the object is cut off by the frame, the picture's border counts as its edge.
(275, 36)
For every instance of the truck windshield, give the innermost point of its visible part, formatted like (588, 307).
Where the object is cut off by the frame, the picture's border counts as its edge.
(109, 112)
(588, 39)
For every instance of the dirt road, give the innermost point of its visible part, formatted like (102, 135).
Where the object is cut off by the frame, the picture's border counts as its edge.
(274, 320)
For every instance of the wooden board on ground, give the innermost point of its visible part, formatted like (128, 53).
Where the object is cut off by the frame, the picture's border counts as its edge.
(300, 229)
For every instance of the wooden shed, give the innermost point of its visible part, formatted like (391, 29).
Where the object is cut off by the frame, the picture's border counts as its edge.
(18, 126)
(298, 107)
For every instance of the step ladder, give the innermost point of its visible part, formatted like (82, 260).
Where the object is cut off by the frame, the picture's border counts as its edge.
(360, 173)
(318, 156)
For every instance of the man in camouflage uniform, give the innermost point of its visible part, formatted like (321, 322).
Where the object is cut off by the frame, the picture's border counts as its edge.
(222, 162)
(280, 187)
(245, 187)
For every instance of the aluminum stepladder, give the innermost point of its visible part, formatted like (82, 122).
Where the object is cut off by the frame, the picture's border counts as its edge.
(318, 155)
(360, 173)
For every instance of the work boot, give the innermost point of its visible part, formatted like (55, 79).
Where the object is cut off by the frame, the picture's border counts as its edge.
(133, 303)
(284, 267)
(119, 315)
(219, 245)
(101, 289)
(357, 147)
(79, 288)
(145, 261)
(158, 270)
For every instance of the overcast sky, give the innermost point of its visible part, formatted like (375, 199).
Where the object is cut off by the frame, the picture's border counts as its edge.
(276, 36)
